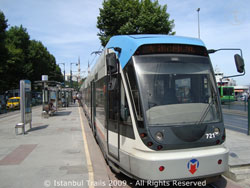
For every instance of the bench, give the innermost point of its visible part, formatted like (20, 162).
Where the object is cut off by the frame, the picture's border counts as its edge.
(47, 111)
(45, 114)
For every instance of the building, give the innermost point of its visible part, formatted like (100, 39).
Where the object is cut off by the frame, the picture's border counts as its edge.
(241, 90)
(221, 81)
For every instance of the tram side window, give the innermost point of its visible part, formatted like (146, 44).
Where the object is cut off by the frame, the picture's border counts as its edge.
(113, 104)
(130, 75)
(89, 96)
(113, 100)
(126, 128)
(100, 100)
(85, 96)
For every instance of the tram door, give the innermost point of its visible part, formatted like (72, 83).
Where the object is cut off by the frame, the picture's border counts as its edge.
(93, 107)
(113, 103)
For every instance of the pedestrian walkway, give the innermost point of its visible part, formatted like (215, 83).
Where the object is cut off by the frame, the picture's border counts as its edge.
(235, 112)
(239, 157)
(239, 146)
(49, 155)
(53, 153)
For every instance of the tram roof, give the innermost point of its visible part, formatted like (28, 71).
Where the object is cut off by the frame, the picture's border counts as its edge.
(130, 43)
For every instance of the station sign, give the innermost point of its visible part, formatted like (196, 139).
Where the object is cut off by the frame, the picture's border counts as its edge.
(26, 101)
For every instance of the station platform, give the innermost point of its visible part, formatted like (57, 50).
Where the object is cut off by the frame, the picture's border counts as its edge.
(61, 152)
(239, 146)
(51, 154)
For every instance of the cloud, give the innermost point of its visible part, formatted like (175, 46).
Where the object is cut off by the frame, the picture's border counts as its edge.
(223, 24)
(68, 38)
(68, 28)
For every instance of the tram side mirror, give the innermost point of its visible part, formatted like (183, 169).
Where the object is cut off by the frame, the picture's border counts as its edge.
(239, 61)
(112, 63)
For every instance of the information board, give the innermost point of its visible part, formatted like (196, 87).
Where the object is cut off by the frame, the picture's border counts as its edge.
(26, 101)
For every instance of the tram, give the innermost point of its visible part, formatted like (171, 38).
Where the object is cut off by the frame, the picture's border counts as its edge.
(154, 108)
(227, 94)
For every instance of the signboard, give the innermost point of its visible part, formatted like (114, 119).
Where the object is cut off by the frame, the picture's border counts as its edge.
(45, 77)
(25, 102)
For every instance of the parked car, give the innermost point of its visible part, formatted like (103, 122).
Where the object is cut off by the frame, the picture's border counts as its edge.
(13, 103)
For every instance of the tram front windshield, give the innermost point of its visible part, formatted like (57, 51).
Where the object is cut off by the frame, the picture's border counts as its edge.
(176, 89)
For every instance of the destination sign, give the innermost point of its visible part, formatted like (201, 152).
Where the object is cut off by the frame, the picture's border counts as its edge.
(171, 49)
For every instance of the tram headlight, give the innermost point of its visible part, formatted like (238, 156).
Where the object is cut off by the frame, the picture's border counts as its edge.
(159, 136)
(217, 131)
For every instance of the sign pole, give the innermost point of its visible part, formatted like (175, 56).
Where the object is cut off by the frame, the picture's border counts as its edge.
(248, 104)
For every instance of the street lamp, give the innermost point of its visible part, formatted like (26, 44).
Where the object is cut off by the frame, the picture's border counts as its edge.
(198, 10)
(71, 73)
(63, 72)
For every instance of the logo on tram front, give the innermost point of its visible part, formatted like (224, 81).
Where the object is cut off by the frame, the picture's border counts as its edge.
(193, 165)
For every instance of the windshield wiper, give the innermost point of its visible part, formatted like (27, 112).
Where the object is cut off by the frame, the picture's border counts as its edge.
(214, 97)
(204, 115)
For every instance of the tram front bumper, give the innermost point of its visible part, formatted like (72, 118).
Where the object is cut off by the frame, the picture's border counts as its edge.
(179, 164)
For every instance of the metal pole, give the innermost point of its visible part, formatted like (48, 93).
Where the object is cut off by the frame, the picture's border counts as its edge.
(248, 132)
(198, 10)
(64, 84)
(70, 75)
(245, 104)
(64, 74)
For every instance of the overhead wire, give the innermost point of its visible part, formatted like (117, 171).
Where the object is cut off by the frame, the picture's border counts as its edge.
(89, 64)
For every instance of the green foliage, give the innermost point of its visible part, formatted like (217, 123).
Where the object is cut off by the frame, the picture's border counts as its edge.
(118, 17)
(42, 63)
(3, 50)
(17, 43)
(22, 58)
(3, 27)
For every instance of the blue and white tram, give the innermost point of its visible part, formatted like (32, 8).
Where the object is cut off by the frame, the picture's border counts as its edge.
(153, 105)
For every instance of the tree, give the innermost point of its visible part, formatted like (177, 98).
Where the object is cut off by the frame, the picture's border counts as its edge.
(18, 67)
(42, 63)
(118, 17)
(3, 51)
(3, 27)
(27, 59)
(22, 58)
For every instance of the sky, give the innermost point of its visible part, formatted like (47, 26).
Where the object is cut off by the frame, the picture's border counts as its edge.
(68, 28)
